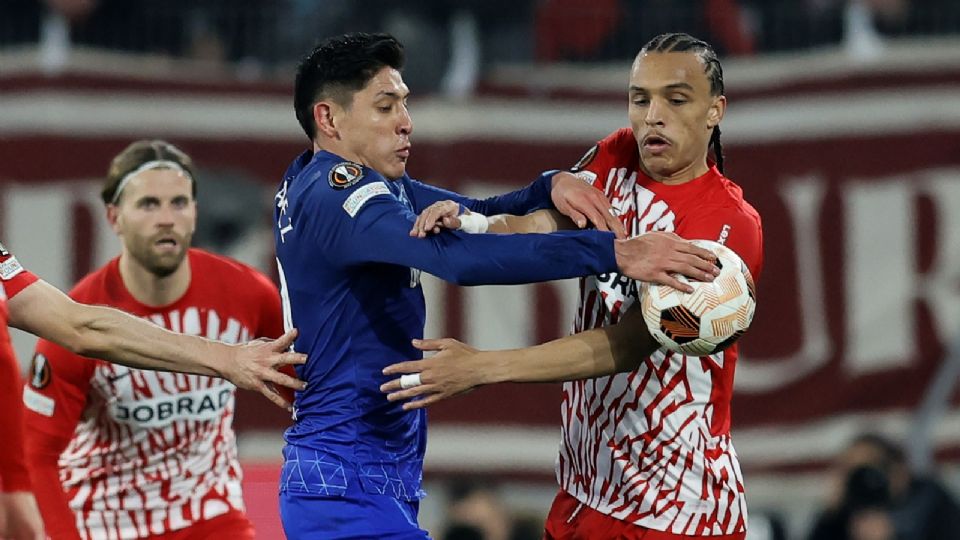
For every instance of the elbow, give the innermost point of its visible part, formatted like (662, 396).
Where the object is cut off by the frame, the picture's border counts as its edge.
(458, 274)
(83, 339)
(459, 279)
(466, 277)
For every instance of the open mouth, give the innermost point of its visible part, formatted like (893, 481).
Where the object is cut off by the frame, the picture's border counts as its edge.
(167, 243)
(655, 143)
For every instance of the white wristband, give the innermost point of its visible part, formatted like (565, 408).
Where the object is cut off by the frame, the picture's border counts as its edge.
(473, 223)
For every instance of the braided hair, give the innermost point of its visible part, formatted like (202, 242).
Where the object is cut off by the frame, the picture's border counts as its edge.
(680, 42)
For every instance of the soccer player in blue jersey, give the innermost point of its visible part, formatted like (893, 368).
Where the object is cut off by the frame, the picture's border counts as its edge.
(350, 270)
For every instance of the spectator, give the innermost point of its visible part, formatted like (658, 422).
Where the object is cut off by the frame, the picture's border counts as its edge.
(475, 511)
(876, 497)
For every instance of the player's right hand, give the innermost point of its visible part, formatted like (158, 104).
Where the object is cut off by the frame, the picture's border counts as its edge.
(446, 374)
(655, 256)
(584, 203)
(257, 366)
(441, 214)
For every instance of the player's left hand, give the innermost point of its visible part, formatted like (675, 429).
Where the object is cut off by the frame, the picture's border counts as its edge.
(257, 367)
(20, 517)
(441, 214)
(444, 375)
(584, 203)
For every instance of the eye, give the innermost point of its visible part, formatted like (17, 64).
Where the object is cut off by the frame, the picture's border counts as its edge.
(678, 101)
(384, 108)
(641, 101)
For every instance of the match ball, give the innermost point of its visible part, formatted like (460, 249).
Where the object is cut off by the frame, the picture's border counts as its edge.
(709, 319)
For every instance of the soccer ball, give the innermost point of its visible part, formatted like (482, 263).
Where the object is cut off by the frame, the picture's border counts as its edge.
(709, 319)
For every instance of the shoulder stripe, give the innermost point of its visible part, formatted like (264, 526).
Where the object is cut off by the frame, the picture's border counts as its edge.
(358, 198)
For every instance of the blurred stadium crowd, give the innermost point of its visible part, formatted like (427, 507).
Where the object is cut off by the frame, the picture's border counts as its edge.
(261, 35)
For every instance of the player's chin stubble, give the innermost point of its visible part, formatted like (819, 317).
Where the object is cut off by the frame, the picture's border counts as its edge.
(160, 265)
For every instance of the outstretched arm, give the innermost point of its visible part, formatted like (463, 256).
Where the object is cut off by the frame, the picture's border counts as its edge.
(541, 221)
(451, 215)
(457, 368)
(579, 202)
(115, 336)
(664, 254)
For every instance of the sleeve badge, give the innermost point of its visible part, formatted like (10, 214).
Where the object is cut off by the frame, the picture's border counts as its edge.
(344, 175)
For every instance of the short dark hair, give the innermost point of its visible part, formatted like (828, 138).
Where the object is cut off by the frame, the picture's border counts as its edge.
(138, 153)
(338, 67)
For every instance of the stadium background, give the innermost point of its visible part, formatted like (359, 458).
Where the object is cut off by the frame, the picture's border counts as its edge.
(843, 128)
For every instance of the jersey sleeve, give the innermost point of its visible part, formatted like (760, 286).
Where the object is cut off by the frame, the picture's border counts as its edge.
(13, 276)
(13, 468)
(592, 167)
(535, 196)
(369, 224)
(733, 227)
(55, 395)
(55, 392)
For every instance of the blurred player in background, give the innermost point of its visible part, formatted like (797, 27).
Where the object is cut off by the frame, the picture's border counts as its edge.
(645, 448)
(350, 273)
(128, 453)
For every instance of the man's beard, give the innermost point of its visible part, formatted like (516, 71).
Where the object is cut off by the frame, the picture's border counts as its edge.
(160, 265)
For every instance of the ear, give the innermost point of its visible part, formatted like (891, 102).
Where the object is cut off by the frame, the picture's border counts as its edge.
(326, 114)
(113, 217)
(716, 111)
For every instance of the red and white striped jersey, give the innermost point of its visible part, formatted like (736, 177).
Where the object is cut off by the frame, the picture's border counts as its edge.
(145, 452)
(652, 446)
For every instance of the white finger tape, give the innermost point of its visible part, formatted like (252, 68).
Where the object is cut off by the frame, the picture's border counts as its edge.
(409, 380)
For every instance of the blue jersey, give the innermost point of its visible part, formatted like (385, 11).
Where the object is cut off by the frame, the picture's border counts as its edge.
(350, 283)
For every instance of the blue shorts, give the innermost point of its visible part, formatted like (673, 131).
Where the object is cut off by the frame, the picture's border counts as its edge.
(351, 516)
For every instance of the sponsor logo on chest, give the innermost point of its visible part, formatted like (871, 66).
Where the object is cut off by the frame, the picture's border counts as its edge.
(199, 405)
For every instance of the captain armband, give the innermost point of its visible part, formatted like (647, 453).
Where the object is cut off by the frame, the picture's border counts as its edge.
(473, 223)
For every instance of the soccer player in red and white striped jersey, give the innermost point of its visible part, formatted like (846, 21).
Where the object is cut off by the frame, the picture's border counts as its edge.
(116, 452)
(645, 448)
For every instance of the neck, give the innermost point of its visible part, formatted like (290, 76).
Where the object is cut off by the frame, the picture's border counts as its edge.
(150, 289)
(338, 149)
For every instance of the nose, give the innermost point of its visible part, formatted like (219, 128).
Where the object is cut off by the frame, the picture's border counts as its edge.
(165, 216)
(654, 115)
(405, 125)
